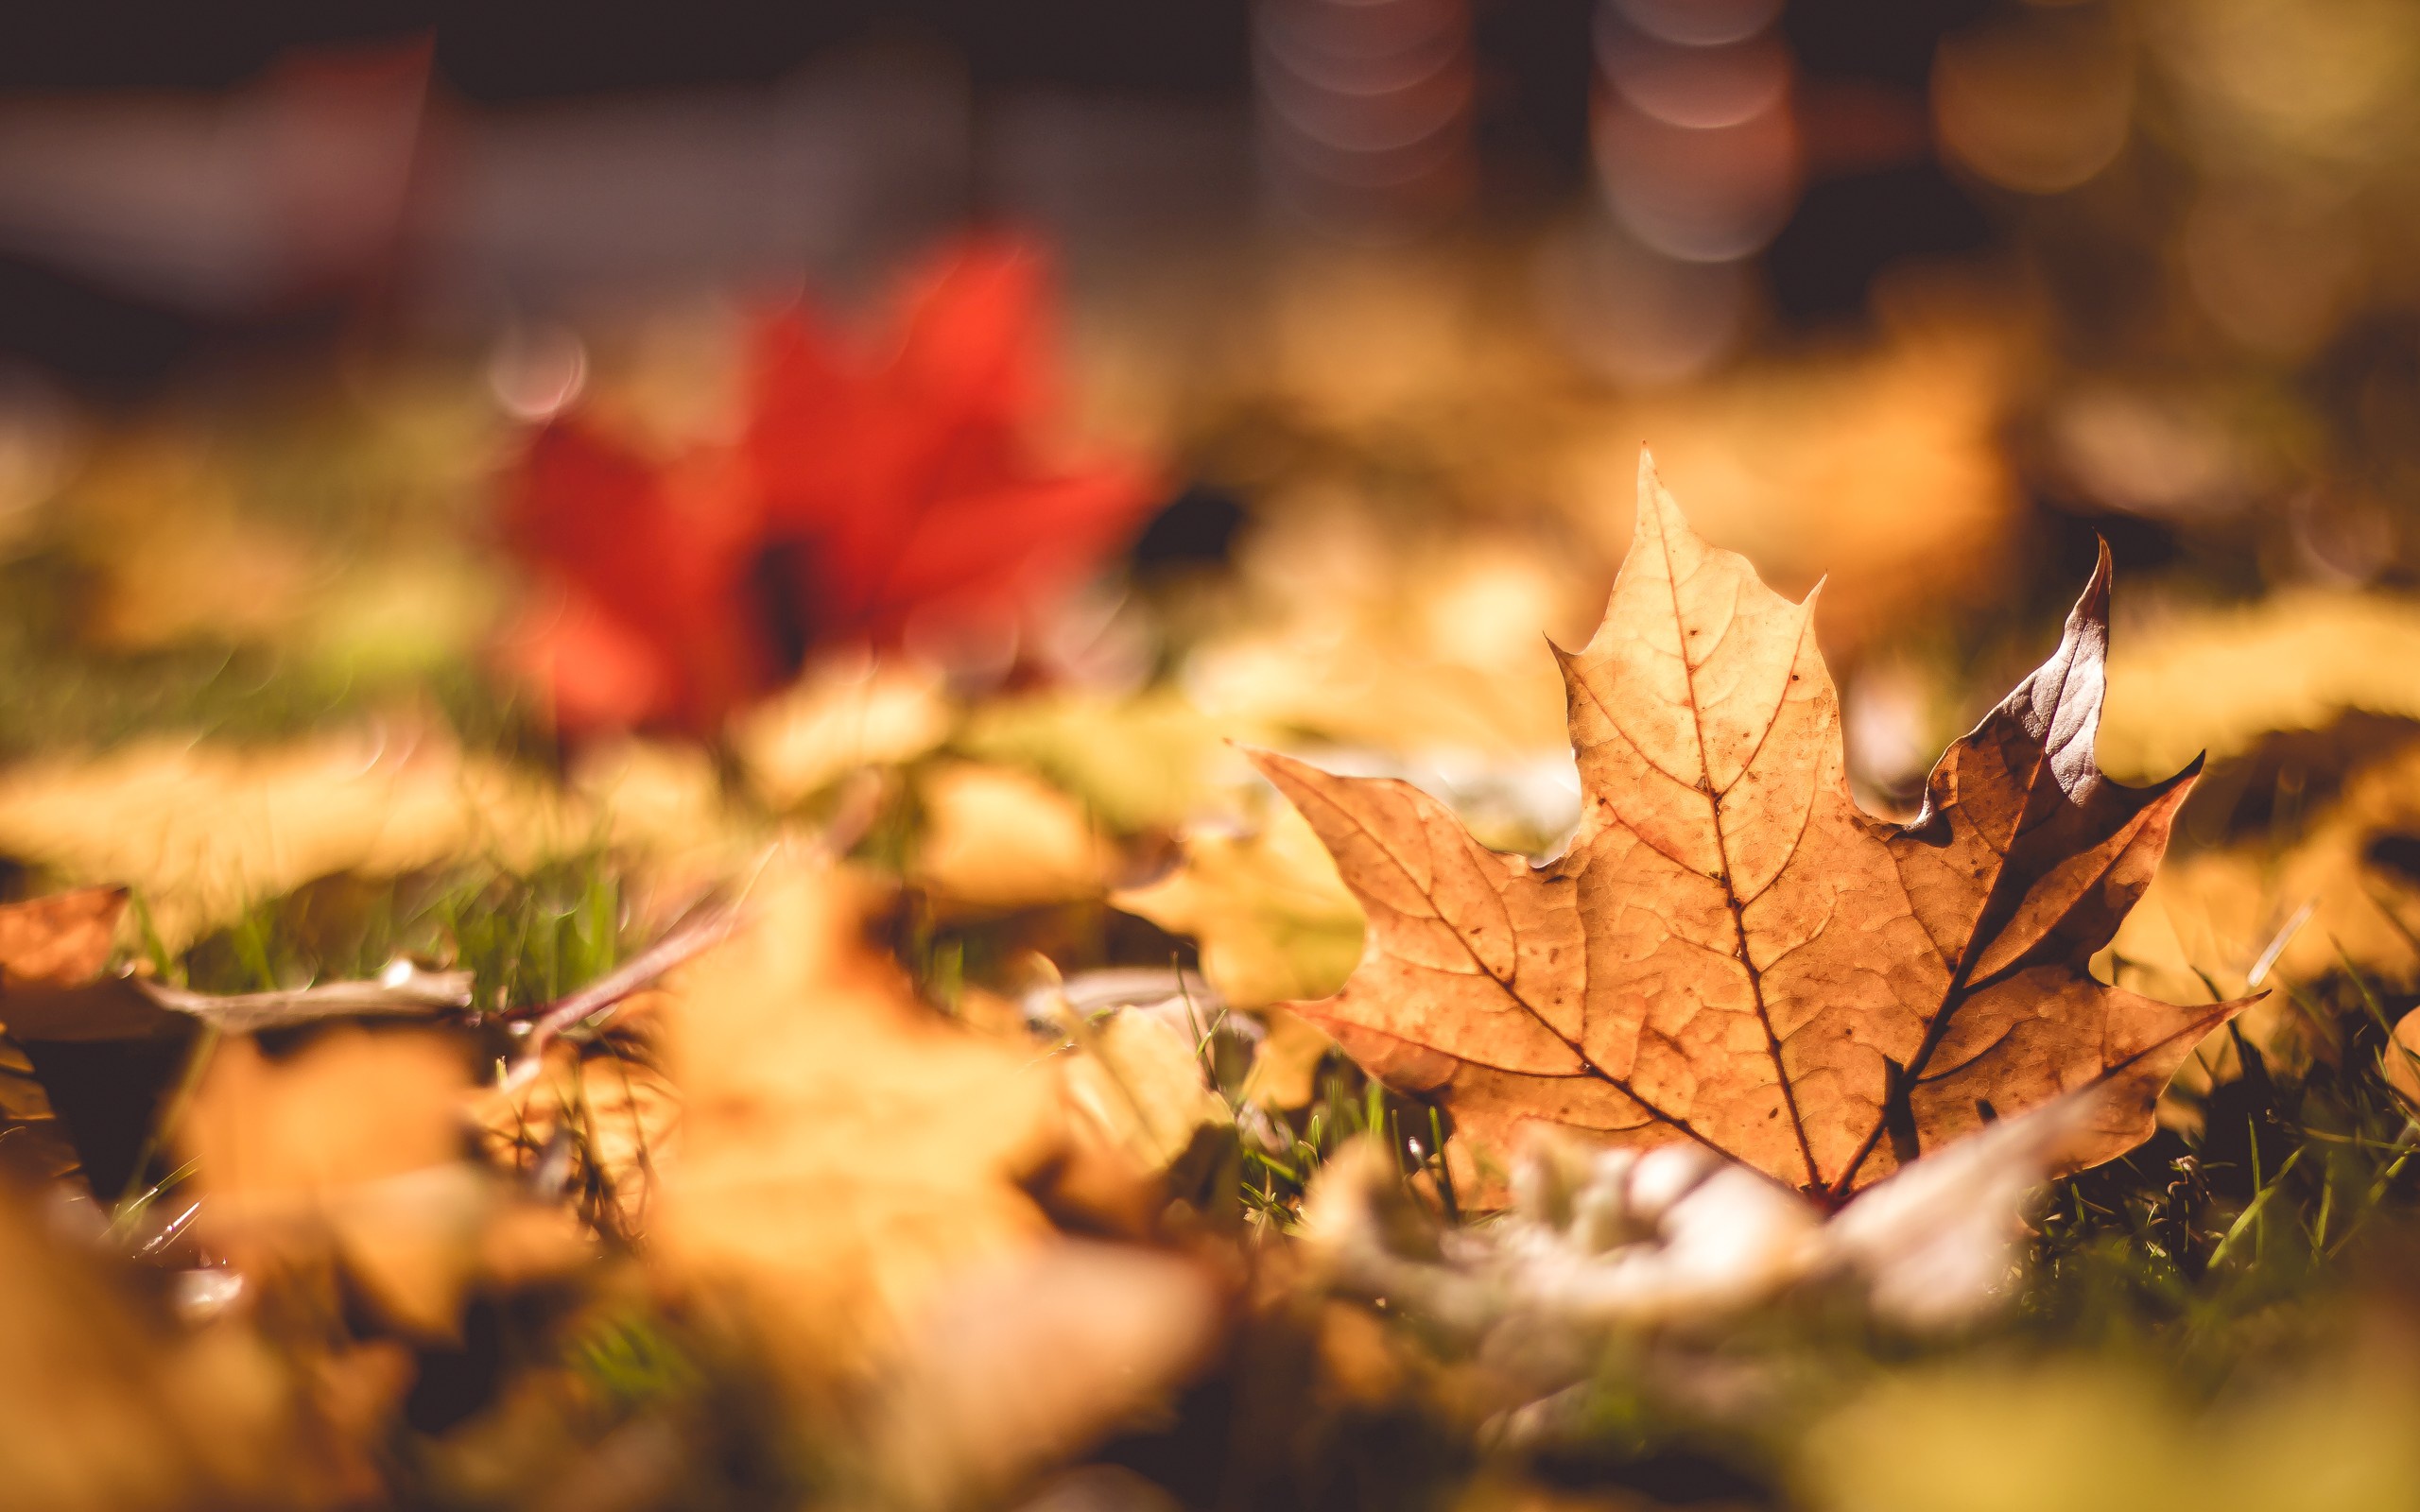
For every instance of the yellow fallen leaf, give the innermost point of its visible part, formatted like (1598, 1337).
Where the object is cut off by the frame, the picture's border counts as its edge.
(996, 838)
(1273, 919)
(664, 802)
(1287, 1061)
(352, 1146)
(1140, 1082)
(849, 1197)
(844, 1149)
(201, 831)
(1151, 760)
(2216, 679)
(2320, 902)
(1361, 636)
(836, 718)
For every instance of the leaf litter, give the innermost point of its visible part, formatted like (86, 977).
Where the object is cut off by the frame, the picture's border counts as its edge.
(427, 1155)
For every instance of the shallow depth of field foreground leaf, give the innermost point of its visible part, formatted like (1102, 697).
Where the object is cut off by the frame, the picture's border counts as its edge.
(1730, 952)
(841, 1146)
(855, 1177)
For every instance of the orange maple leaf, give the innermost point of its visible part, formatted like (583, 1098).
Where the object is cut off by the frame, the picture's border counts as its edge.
(1729, 950)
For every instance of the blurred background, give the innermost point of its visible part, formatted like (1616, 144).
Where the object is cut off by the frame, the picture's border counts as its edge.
(575, 448)
(325, 330)
(1924, 296)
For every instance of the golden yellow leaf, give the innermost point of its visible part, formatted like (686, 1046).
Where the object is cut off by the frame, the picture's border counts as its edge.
(1150, 759)
(2323, 901)
(2216, 680)
(1371, 640)
(1141, 1084)
(1286, 1062)
(996, 838)
(844, 1149)
(1729, 951)
(202, 831)
(352, 1146)
(836, 718)
(850, 1194)
(1273, 919)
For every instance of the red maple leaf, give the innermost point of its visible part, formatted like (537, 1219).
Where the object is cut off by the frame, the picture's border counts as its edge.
(882, 492)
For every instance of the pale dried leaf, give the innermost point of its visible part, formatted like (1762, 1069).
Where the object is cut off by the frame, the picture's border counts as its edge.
(2216, 680)
(352, 1146)
(1149, 760)
(203, 831)
(1273, 919)
(836, 718)
(1141, 1082)
(997, 838)
(844, 1149)
(1677, 1235)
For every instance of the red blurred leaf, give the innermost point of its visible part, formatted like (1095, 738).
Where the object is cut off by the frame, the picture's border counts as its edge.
(882, 490)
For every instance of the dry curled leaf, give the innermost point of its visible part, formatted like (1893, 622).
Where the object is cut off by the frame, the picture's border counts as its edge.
(853, 1184)
(1730, 952)
(62, 940)
(1677, 1236)
(46, 945)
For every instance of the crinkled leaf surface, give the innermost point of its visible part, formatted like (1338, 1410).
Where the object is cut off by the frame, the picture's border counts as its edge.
(1729, 950)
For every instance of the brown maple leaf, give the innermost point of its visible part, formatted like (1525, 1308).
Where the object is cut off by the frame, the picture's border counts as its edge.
(1730, 951)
